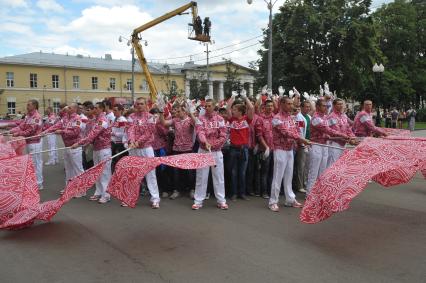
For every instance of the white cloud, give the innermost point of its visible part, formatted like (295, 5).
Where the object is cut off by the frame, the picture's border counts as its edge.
(15, 28)
(95, 30)
(14, 4)
(50, 5)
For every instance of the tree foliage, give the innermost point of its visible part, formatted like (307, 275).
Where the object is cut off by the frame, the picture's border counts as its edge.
(339, 41)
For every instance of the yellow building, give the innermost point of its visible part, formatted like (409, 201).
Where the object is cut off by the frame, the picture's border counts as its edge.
(54, 78)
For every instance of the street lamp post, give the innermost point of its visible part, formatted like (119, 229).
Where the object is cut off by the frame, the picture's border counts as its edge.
(44, 100)
(209, 83)
(378, 71)
(132, 51)
(270, 6)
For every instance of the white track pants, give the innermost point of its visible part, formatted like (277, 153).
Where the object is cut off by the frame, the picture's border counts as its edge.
(218, 179)
(334, 153)
(51, 144)
(102, 183)
(283, 172)
(37, 160)
(151, 178)
(73, 163)
(318, 157)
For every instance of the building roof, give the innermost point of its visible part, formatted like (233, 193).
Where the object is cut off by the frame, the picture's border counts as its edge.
(83, 62)
(192, 66)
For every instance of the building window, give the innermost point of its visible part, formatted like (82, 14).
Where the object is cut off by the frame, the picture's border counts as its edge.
(174, 85)
(144, 85)
(55, 81)
(9, 79)
(11, 107)
(33, 80)
(129, 84)
(94, 82)
(56, 106)
(112, 83)
(75, 81)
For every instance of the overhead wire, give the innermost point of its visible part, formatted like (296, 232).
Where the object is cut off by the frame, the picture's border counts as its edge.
(201, 53)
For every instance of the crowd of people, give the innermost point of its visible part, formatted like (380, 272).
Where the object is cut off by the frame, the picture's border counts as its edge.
(395, 119)
(263, 147)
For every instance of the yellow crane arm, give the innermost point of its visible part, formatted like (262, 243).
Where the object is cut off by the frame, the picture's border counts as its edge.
(167, 16)
(138, 47)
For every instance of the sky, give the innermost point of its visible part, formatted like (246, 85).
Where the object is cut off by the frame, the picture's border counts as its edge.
(92, 28)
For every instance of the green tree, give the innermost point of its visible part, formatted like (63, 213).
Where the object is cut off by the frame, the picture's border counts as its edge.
(232, 81)
(322, 40)
(396, 25)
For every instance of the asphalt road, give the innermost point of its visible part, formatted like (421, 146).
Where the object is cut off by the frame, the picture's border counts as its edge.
(381, 238)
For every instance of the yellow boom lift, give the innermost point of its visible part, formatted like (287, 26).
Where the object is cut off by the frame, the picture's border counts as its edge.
(195, 33)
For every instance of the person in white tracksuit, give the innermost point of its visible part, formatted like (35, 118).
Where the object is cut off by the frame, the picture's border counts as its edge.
(51, 139)
(320, 133)
(337, 120)
(211, 132)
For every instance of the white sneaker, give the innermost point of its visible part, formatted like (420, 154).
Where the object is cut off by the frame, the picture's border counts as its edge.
(175, 195)
(40, 188)
(80, 195)
(274, 207)
(155, 205)
(103, 200)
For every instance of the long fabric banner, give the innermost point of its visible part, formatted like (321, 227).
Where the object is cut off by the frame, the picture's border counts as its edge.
(389, 162)
(130, 170)
(19, 195)
(20, 200)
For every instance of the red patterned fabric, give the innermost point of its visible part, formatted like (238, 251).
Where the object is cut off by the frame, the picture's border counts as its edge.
(77, 185)
(6, 150)
(19, 197)
(397, 132)
(130, 171)
(8, 146)
(389, 162)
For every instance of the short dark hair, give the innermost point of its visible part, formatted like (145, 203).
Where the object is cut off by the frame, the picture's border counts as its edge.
(305, 102)
(337, 100)
(34, 102)
(107, 103)
(119, 106)
(88, 104)
(319, 102)
(284, 98)
(101, 105)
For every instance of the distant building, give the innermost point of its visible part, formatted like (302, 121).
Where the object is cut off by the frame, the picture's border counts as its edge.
(53, 79)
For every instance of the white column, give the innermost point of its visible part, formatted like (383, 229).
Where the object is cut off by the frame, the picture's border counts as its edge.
(250, 89)
(210, 84)
(187, 88)
(221, 93)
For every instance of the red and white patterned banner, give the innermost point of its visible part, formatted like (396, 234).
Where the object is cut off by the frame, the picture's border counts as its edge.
(11, 144)
(397, 132)
(19, 196)
(130, 170)
(389, 162)
(20, 200)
